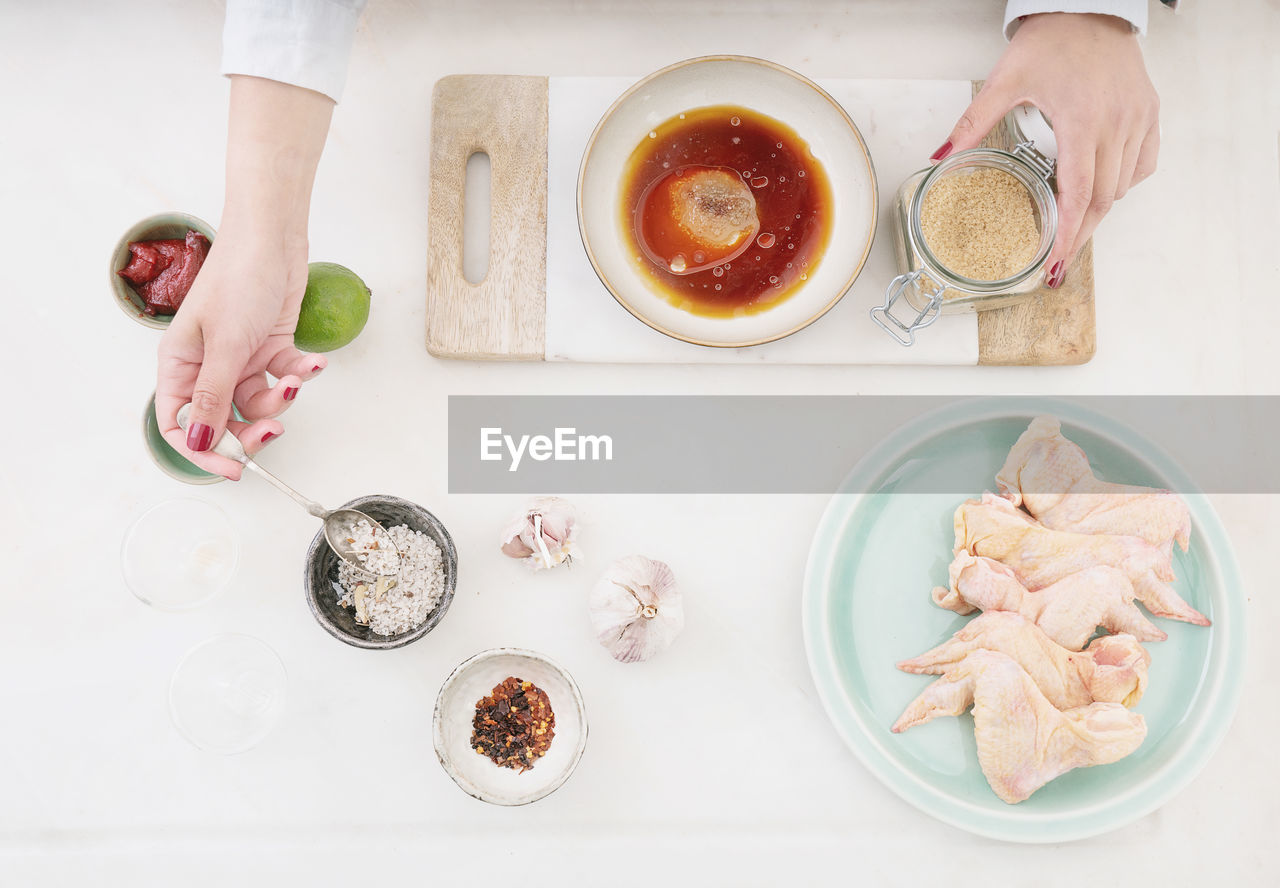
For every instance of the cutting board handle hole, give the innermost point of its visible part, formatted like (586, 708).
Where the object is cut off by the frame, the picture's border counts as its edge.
(475, 218)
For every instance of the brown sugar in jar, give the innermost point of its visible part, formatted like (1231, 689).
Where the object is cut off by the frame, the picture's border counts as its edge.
(981, 225)
(970, 234)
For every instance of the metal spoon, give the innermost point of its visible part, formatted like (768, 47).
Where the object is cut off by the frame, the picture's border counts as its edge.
(337, 523)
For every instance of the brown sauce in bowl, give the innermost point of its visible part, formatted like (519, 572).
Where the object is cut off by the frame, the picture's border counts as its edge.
(726, 210)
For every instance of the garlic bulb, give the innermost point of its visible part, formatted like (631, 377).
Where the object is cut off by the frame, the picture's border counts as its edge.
(636, 608)
(543, 535)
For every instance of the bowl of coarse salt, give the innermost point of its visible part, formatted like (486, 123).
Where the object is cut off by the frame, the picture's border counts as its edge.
(355, 608)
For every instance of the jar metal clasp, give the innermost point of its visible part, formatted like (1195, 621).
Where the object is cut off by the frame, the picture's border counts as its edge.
(905, 331)
(1029, 154)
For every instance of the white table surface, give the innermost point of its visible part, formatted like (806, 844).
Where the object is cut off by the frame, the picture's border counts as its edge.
(95, 785)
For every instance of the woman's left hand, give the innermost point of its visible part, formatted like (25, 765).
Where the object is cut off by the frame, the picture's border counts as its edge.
(1085, 72)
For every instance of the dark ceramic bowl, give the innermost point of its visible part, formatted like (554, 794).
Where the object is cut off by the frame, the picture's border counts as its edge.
(320, 574)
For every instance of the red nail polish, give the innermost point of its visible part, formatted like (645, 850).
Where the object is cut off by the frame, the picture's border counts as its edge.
(199, 437)
(317, 368)
(290, 393)
(1056, 275)
(268, 436)
(941, 152)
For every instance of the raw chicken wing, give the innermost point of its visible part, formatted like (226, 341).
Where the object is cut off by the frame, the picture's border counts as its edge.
(1051, 478)
(995, 528)
(1068, 611)
(1112, 670)
(1023, 741)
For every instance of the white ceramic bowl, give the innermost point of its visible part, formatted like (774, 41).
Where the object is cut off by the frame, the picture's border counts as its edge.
(771, 90)
(479, 777)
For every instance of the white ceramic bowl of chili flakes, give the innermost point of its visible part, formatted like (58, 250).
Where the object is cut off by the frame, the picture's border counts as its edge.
(476, 774)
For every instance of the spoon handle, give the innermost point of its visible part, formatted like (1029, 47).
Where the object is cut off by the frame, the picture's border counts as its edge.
(230, 447)
(310, 505)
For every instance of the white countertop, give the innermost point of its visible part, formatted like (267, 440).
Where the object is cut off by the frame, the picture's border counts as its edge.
(96, 786)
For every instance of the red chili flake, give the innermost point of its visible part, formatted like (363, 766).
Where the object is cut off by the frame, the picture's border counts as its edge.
(514, 725)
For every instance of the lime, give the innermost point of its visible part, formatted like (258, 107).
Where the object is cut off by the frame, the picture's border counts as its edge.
(334, 308)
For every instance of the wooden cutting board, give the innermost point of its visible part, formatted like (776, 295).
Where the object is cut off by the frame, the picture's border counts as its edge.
(503, 317)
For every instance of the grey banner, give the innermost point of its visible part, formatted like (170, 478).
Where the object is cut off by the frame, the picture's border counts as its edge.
(810, 444)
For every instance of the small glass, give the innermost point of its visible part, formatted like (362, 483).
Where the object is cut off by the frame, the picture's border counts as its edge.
(179, 554)
(929, 287)
(227, 693)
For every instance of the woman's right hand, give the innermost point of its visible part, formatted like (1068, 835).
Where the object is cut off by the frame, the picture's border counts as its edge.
(1086, 73)
(235, 327)
(236, 324)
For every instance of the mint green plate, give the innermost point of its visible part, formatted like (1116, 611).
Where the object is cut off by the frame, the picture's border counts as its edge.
(866, 606)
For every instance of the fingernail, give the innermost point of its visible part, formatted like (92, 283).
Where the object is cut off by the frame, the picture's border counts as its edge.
(1056, 275)
(941, 152)
(268, 436)
(199, 437)
(290, 393)
(317, 368)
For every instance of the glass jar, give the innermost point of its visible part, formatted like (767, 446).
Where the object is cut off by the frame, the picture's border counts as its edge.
(932, 289)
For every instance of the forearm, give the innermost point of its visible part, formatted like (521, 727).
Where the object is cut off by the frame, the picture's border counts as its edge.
(276, 134)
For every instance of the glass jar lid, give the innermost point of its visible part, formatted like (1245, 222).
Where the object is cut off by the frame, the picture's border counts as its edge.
(1030, 125)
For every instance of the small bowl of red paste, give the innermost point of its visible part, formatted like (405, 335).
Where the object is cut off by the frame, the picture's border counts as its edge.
(154, 264)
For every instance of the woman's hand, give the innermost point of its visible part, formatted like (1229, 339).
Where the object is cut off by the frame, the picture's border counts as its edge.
(1085, 72)
(236, 324)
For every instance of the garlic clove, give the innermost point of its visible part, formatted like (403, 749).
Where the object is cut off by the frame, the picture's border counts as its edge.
(637, 609)
(543, 535)
(361, 595)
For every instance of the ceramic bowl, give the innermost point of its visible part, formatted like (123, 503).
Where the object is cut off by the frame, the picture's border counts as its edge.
(161, 226)
(168, 460)
(320, 575)
(890, 526)
(771, 90)
(479, 777)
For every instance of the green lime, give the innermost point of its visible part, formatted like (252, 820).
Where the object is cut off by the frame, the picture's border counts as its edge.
(334, 308)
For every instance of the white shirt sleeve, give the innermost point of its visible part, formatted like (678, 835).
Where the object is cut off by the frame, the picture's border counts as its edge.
(1132, 11)
(303, 42)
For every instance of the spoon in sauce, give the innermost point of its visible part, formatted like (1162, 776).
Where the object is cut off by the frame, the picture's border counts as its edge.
(338, 523)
